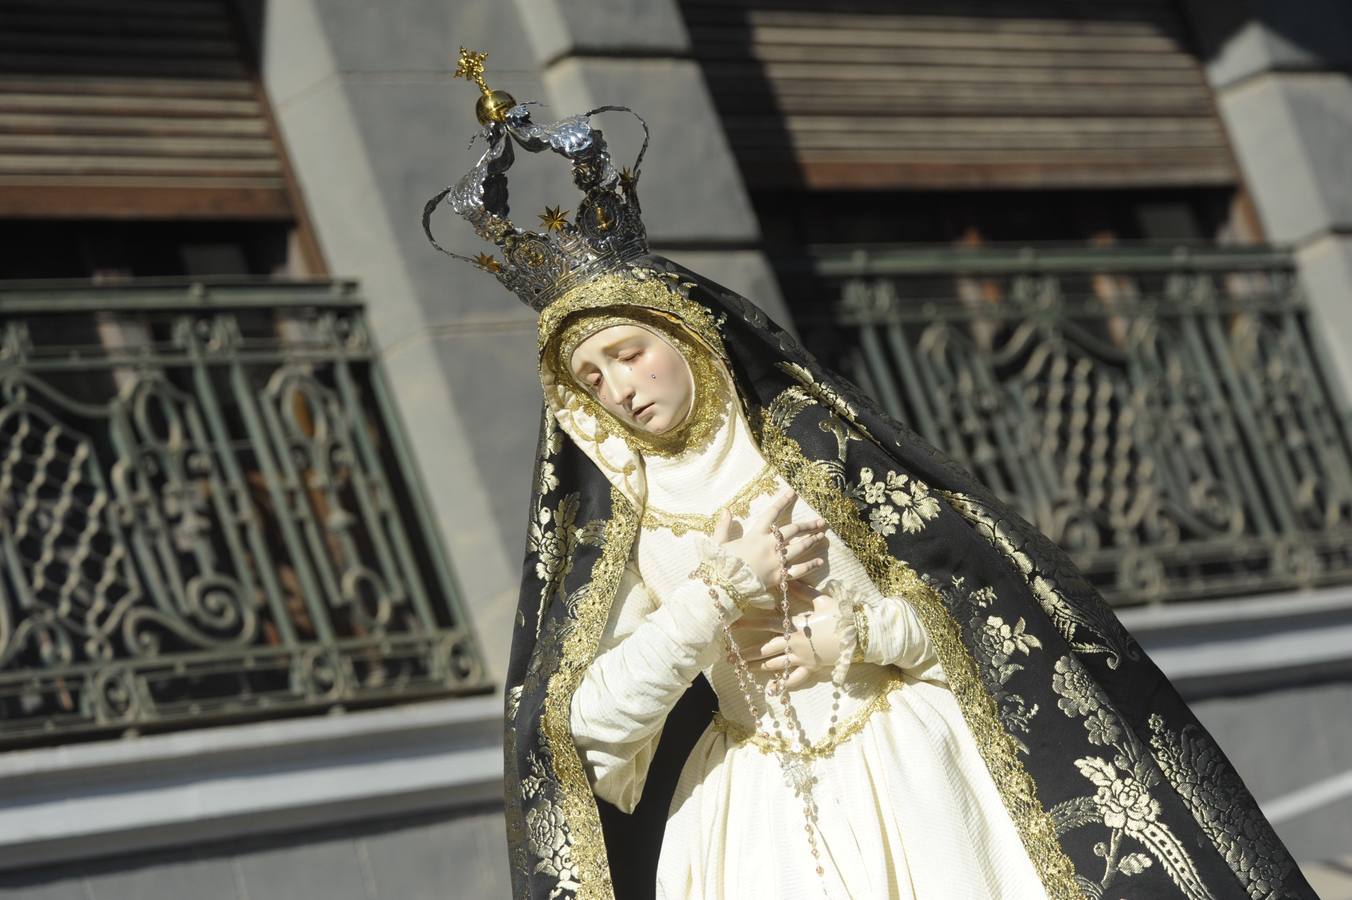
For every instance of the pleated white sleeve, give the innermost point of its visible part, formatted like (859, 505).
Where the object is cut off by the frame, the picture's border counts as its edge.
(649, 654)
(896, 637)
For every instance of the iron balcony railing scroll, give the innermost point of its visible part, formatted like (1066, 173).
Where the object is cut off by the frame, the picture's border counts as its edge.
(1162, 413)
(209, 512)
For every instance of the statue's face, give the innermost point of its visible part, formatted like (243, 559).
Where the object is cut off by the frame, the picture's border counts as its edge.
(637, 375)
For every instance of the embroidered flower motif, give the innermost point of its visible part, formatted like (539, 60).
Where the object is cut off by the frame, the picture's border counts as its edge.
(545, 826)
(1126, 803)
(531, 786)
(547, 832)
(1102, 729)
(997, 640)
(552, 537)
(897, 500)
(553, 436)
(1195, 766)
(870, 491)
(1003, 640)
(1075, 687)
(884, 520)
(547, 480)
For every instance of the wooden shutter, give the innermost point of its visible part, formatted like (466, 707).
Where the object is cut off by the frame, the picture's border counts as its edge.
(131, 109)
(960, 93)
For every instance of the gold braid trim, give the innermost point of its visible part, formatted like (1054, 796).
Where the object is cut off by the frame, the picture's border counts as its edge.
(773, 745)
(894, 578)
(861, 632)
(739, 505)
(645, 289)
(588, 847)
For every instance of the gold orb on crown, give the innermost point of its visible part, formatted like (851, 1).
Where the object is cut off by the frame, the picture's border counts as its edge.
(492, 105)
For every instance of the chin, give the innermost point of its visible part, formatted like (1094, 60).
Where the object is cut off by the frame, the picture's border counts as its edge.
(666, 424)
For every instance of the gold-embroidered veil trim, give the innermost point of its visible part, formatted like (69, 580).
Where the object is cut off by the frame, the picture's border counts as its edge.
(894, 578)
(583, 820)
(643, 288)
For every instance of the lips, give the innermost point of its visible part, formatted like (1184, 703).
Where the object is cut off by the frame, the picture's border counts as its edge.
(640, 410)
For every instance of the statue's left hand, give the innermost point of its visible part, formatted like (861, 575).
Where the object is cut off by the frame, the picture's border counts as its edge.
(812, 648)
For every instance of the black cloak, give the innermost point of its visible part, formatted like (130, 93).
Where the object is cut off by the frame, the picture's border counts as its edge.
(1115, 787)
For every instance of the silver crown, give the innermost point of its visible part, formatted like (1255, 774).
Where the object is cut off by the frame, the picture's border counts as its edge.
(607, 229)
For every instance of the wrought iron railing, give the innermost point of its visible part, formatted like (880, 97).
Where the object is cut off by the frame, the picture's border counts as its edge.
(1161, 413)
(208, 512)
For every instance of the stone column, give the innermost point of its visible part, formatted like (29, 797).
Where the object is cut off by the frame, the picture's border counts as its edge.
(1281, 76)
(375, 124)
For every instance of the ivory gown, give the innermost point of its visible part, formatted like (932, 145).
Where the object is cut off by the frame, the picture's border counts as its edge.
(906, 805)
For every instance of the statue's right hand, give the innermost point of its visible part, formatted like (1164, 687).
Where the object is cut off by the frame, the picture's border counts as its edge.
(804, 542)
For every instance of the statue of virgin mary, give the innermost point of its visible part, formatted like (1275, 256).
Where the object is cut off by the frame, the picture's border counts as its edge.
(770, 642)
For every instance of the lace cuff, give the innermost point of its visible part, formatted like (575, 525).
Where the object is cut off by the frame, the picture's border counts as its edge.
(732, 575)
(851, 627)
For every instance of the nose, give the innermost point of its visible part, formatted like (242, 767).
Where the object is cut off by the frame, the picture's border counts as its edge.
(622, 385)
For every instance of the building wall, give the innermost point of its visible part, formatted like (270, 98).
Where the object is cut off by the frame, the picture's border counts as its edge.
(1282, 73)
(430, 856)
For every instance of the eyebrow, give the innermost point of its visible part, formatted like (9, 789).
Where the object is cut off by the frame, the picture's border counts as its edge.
(606, 348)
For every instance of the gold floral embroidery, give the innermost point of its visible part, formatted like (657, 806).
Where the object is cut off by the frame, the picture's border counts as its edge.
(545, 479)
(999, 642)
(824, 393)
(1069, 618)
(786, 406)
(546, 828)
(578, 804)
(910, 504)
(773, 746)
(1122, 800)
(1222, 805)
(740, 504)
(894, 578)
(553, 536)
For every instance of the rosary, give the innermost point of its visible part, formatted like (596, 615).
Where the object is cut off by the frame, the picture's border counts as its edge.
(794, 760)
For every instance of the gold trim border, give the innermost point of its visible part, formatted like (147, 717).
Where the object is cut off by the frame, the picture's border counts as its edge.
(682, 523)
(588, 846)
(826, 746)
(651, 292)
(896, 579)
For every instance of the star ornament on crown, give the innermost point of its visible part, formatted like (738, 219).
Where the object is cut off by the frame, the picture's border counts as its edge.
(606, 231)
